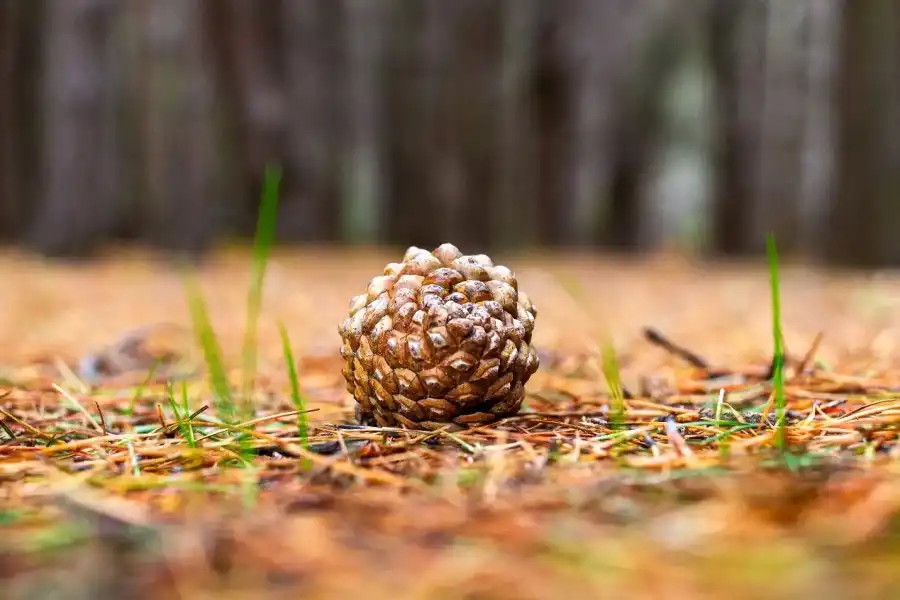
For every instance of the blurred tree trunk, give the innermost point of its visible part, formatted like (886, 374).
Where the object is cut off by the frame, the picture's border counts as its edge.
(248, 50)
(592, 35)
(866, 215)
(80, 152)
(736, 33)
(654, 44)
(819, 133)
(21, 35)
(514, 198)
(177, 128)
(439, 163)
(782, 120)
(674, 97)
(442, 106)
(487, 123)
(551, 99)
(759, 56)
(315, 73)
(473, 94)
(409, 104)
(363, 161)
(9, 179)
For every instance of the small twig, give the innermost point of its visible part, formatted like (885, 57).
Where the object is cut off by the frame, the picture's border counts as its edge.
(561, 415)
(197, 412)
(77, 445)
(342, 444)
(678, 442)
(764, 414)
(651, 443)
(3, 424)
(135, 469)
(69, 375)
(811, 353)
(655, 337)
(347, 468)
(8, 431)
(102, 418)
(462, 443)
(162, 419)
(275, 417)
(80, 407)
(290, 413)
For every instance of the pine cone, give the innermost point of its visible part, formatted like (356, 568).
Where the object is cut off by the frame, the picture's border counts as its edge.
(439, 338)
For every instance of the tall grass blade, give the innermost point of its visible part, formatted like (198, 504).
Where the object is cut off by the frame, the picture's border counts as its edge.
(576, 291)
(614, 383)
(296, 397)
(778, 342)
(262, 249)
(182, 420)
(223, 400)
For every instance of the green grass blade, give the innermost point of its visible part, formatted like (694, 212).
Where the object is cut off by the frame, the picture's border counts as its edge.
(223, 400)
(170, 389)
(296, 396)
(614, 382)
(186, 407)
(181, 421)
(777, 339)
(183, 415)
(262, 248)
(250, 486)
(572, 286)
(132, 458)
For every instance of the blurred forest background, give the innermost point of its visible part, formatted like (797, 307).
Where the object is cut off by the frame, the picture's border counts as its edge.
(495, 124)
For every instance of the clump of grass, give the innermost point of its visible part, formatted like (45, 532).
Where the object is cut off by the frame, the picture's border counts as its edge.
(224, 400)
(182, 416)
(777, 342)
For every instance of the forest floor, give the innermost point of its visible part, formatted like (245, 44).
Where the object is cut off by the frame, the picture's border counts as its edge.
(129, 487)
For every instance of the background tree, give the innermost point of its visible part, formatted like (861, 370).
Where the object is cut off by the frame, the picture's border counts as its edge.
(620, 124)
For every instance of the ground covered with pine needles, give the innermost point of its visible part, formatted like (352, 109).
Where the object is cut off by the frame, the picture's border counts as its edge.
(652, 458)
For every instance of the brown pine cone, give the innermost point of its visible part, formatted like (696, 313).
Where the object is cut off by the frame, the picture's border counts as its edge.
(439, 338)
